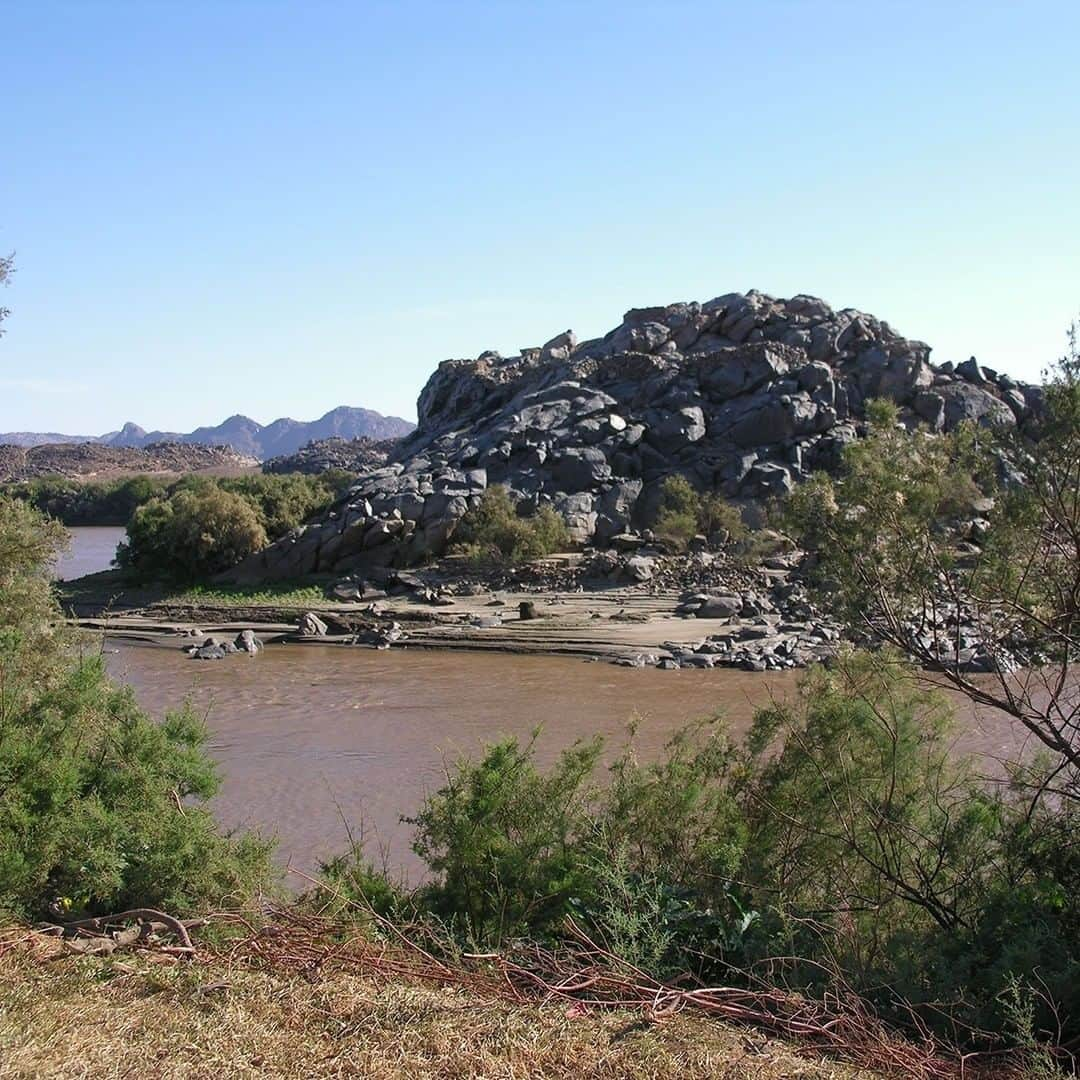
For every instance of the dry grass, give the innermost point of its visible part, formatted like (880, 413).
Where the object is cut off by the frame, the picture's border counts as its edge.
(233, 1013)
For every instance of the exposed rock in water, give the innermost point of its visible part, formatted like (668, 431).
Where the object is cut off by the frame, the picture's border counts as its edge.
(745, 395)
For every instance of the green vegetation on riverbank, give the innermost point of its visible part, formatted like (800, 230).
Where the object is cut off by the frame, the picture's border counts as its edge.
(192, 527)
(100, 807)
(495, 533)
(283, 501)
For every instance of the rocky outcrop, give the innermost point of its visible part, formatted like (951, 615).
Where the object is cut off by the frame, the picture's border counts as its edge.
(349, 455)
(744, 394)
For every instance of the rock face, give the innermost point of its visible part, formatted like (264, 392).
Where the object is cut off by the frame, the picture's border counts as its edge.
(744, 394)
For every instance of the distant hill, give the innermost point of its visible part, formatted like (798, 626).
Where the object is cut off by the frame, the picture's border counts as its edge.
(246, 436)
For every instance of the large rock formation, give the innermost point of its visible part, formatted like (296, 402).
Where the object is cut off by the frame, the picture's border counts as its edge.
(324, 455)
(744, 394)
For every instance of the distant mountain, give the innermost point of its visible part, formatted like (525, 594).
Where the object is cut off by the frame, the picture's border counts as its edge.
(246, 436)
(27, 439)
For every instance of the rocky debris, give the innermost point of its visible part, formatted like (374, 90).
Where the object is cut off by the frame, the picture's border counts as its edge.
(212, 648)
(216, 648)
(310, 625)
(86, 461)
(953, 637)
(744, 395)
(347, 455)
(380, 637)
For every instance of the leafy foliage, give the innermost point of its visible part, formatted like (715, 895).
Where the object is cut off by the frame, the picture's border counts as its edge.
(684, 513)
(503, 839)
(193, 534)
(92, 503)
(283, 501)
(890, 561)
(846, 839)
(7, 268)
(494, 532)
(100, 808)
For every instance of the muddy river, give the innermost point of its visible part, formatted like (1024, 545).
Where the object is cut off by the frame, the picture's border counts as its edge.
(316, 740)
(92, 550)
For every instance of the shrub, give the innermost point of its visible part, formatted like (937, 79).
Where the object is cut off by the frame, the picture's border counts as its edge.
(504, 839)
(89, 503)
(100, 808)
(683, 514)
(513, 850)
(283, 501)
(494, 532)
(193, 534)
(847, 840)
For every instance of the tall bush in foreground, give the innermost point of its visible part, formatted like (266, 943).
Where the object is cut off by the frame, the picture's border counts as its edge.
(100, 808)
(889, 561)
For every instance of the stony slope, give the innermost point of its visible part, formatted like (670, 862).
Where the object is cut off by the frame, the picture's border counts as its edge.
(246, 436)
(744, 394)
(351, 455)
(91, 461)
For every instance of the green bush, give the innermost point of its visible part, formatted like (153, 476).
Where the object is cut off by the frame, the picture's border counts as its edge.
(683, 513)
(101, 809)
(282, 501)
(493, 531)
(195, 533)
(89, 503)
(504, 840)
(847, 840)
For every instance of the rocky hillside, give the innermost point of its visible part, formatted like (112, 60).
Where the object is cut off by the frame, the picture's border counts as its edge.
(350, 455)
(744, 394)
(91, 461)
(246, 436)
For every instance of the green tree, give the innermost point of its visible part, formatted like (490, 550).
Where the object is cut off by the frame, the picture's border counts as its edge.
(100, 808)
(7, 268)
(193, 534)
(890, 562)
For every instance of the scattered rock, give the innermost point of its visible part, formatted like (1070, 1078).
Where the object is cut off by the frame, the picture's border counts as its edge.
(310, 625)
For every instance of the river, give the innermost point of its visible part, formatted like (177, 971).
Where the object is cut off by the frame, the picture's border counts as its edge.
(315, 740)
(91, 550)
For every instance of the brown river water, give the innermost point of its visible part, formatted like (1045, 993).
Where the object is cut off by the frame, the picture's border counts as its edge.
(313, 740)
(91, 550)
(316, 740)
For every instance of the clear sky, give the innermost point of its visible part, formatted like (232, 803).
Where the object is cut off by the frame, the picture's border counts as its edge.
(276, 208)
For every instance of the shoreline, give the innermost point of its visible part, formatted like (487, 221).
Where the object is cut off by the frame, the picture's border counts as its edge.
(627, 625)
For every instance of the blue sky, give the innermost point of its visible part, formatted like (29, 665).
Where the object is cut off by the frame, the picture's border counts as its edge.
(276, 208)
